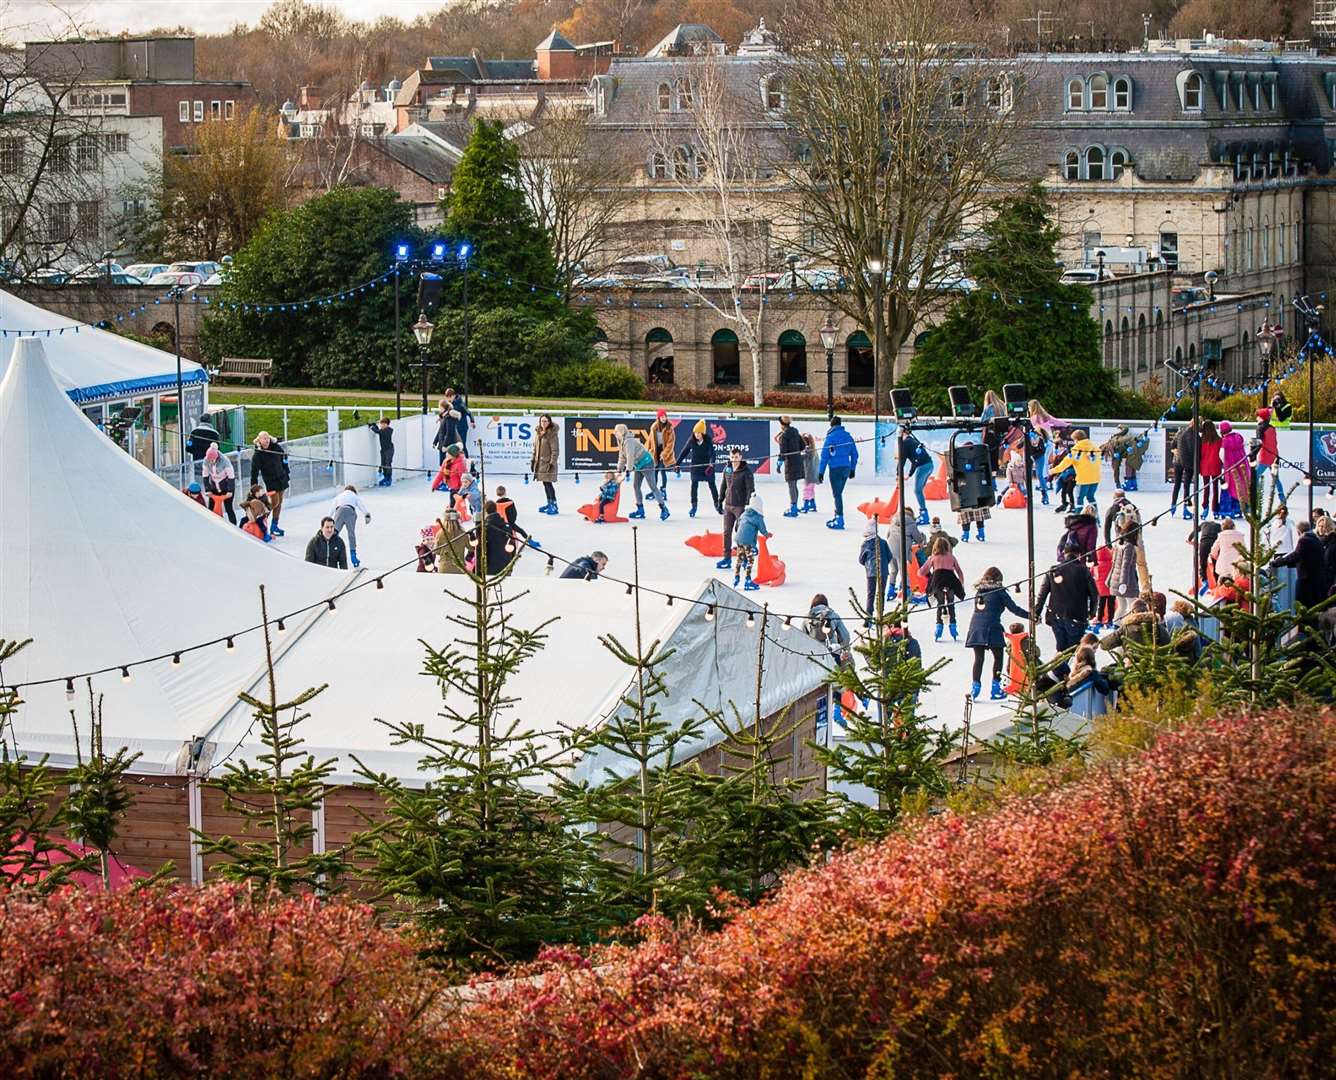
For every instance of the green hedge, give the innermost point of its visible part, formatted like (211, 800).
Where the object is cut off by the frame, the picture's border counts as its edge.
(596, 379)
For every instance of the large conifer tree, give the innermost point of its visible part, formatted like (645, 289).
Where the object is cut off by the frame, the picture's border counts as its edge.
(1019, 324)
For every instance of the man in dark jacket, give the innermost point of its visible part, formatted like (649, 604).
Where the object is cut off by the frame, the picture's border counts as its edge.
(700, 454)
(386, 436)
(1207, 534)
(494, 541)
(790, 442)
(1120, 503)
(270, 462)
(586, 567)
(1069, 589)
(1308, 558)
(326, 548)
(1185, 450)
(875, 557)
(739, 486)
(453, 425)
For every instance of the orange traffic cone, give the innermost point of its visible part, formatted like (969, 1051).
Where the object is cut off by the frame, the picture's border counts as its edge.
(936, 489)
(1016, 661)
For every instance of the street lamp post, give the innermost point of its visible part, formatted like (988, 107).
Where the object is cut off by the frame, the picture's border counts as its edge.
(400, 254)
(1099, 260)
(1267, 336)
(876, 268)
(828, 336)
(1312, 315)
(464, 250)
(422, 330)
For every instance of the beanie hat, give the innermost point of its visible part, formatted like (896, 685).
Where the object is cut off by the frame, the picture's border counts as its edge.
(1263, 414)
(755, 504)
(699, 428)
(662, 414)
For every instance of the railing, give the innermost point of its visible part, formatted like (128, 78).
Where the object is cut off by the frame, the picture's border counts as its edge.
(315, 466)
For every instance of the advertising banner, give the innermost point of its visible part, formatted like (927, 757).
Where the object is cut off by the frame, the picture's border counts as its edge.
(1324, 455)
(590, 442)
(505, 443)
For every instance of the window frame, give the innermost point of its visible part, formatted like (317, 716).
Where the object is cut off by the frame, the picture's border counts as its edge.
(183, 112)
(1094, 89)
(659, 166)
(229, 110)
(1080, 87)
(1000, 94)
(1071, 165)
(1115, 167)
(1090, 164)
(11, 155)
(665, 96)
(1193, 86)
(216, 109)
(776, 98)
(1122, 87)
(684, 99)
(197, 112)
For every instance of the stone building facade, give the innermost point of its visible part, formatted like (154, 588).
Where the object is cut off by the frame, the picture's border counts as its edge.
(1185, 158)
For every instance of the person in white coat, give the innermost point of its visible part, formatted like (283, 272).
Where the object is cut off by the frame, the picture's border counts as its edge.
(348, 505)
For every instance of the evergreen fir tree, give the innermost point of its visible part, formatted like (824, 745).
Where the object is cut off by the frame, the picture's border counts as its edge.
(30, 813)
(480, 854)
(1019, 324)
(276, 796)
(98, 798)
(510, 261)
(889, 748)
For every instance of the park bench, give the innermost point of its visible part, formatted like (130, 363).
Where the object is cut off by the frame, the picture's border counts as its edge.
(237, 367)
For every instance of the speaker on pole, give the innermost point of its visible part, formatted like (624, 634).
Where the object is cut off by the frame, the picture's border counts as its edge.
(430, 287)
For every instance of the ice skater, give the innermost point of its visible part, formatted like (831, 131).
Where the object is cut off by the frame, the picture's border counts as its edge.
(751, 526)
(347, 507)
(386, 436)
(607, 495)
(985, 632)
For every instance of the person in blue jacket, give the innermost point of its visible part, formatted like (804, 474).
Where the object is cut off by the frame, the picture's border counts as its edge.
(875, 555)
(985, 632)
(751, 525)
(839, 454)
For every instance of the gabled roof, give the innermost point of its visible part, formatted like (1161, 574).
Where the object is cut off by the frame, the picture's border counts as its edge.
(684, 37)
(423, 155)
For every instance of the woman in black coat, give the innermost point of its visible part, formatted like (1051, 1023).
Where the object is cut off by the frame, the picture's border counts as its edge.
(985, 632)
(700, 453)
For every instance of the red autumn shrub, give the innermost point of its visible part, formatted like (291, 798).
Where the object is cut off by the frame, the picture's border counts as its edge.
(207, 982)
(845, 404)
(1172, 916)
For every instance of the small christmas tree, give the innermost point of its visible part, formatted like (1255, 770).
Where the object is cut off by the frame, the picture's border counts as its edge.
(98, 799)
(889, 748)
(277, 795)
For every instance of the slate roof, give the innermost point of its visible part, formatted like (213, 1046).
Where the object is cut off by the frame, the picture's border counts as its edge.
(422, 155)
(555, 42)
(497, 70)
(683, 38)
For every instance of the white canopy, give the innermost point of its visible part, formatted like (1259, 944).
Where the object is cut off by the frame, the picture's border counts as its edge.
(103, 564)
(90, 364)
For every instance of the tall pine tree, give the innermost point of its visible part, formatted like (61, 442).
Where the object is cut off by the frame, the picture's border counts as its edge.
(1019, 324)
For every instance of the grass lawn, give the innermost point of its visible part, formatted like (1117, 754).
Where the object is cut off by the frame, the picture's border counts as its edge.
(371, 404)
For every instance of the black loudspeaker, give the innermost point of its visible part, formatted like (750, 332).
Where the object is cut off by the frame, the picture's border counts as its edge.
(971, 474)
(902, 401)
(961, 405)
(429, 293)
(1017, 399)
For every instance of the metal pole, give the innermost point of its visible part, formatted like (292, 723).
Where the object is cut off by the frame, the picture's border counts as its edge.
(903, 568)
(466, 331)
(876, 373)
(830, 395)
(425, 375)
(398, 334)
(180, 396)
(1196, 482)
(1312, 446)
(1029, 522)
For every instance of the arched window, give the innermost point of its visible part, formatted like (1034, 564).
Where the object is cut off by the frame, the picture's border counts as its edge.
(1117, 163)
(682, 164)
(1169, 246)
(999, 93)
(1266, 243)
(1122, 93)
(774, 94)
(665, 97)
(1143, 343)
(1071, 165)
(1099, 92)
(1094, 163)
(792, 359)
(601, 346)
(1125, 345)
(1178, 356)
(1282, 251)
(1160, 344)
(1192, 355)
(858, 361)
(659, 357)
(685, 101)
(725, 360)
(1192, 90)
(1108, 343)
(1075, 95)
(1298, 240)
(1248, 251)
(658, 167)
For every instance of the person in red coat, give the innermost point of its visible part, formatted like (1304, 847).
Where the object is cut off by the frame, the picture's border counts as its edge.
(1107, 602)
(1268, 455)
(1211, 469)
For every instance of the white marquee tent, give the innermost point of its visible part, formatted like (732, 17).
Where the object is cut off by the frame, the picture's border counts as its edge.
(104, 564)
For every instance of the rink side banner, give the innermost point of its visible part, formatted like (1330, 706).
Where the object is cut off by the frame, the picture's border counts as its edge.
(505, 441)
(1324, 456)
(590, 442)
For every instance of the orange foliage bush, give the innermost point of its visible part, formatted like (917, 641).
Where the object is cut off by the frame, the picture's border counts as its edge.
(1172, 916)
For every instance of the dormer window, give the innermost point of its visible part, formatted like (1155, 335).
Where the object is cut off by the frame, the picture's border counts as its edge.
(1071, 166)
(1122, 93)
(1192, 92)
(665, 97)
(658, 167)
(1257, 96)
(1099, 92)
(1075, 95)
(1271, 95)
(684, 98)
(774, 94)
(1241, 96)
(1094, 163)
(999, 94)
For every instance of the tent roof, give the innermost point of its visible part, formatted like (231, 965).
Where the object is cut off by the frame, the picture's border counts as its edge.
(90, 364)
(102, 563)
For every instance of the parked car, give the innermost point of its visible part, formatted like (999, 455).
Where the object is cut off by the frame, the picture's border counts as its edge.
(51, 276)
(203, 269)
(103, 279)
(146, 271)
(1080, 275)
(1183, 295)
(98, 270)
(182, 277)
(214, 279)
(766, 281)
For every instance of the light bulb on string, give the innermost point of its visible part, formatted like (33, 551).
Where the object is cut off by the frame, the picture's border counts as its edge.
(709, 613)
(69, 689)
(629, 590)
(380, 583)
(332, 608)
(125, 674)
(551, 563)
(281, 627)
(751, 620)
(231, 645)
(176, 659)
(670, 600)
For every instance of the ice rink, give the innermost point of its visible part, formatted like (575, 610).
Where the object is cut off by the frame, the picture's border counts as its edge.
(817, 559)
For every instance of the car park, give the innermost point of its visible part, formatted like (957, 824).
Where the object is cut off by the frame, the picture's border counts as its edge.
(203, 269)
(182, 277)
(147, 271)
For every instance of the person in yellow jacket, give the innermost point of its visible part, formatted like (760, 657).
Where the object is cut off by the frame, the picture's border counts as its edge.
(1084, 458)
